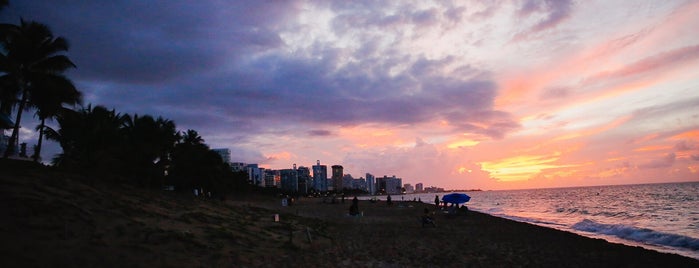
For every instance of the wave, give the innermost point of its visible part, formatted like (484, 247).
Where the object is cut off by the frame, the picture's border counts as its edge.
(642, 235)
(570, 211)
(529, 220)
(499, 212)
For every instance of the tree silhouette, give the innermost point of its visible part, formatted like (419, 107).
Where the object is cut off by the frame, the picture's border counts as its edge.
(31, 55)
(91, 139)
(48, 97)
(149, 143)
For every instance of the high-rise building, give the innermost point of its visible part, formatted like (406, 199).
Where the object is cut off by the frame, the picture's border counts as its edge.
(394, 185)
(255, 175)
(337, 178)
(370, 183)
(408, 188)
(238, 166)
(419, 187)
(225, 154)
(320, 177)
(347, 180)
(389, 185)
(271, 178)
(359, 184)
(305, 183)
(289, 179)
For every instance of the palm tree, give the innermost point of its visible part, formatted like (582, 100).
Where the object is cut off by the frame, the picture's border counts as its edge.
(48, 97)
(91, 139)
(30, 55)
(148, 145)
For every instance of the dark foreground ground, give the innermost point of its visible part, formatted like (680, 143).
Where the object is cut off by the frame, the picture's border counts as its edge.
(53, 219)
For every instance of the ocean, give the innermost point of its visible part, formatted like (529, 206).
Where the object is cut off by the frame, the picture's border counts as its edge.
(661, 217)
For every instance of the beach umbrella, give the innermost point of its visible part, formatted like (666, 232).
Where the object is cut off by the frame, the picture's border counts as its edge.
(456, 198)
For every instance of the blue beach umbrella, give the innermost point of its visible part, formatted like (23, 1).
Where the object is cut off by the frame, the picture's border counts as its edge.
(456, 198)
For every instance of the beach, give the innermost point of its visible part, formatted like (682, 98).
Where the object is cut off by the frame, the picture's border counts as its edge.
(65, 220)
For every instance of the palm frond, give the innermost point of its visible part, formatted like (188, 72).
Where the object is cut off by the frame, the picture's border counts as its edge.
(53, 64)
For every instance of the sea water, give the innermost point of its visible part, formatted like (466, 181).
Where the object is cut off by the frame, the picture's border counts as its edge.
(661, 217)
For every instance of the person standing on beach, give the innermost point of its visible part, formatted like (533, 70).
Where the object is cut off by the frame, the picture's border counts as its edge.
(388, 200)
(436, 200)
(354, 208)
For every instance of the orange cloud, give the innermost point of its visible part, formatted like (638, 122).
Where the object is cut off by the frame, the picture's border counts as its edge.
(653, 148)
(462, 143)
(522, 167)
(687, 135)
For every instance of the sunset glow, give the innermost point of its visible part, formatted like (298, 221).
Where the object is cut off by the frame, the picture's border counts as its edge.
(461, 95)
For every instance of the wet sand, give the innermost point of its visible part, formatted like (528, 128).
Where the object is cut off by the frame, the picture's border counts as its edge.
(52, 219)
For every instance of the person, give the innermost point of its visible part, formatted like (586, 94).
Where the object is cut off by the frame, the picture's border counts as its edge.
(452, 209)
(388, 200)
(463, 210)
(436, 200)
(427, 219)
(354, 208)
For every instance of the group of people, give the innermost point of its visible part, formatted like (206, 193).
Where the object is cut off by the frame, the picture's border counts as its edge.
(451, 208)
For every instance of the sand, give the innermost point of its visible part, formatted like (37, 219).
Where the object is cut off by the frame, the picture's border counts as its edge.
(54, 219)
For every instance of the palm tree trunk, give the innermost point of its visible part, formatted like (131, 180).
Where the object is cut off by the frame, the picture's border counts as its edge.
(37, 152)
(15, 131)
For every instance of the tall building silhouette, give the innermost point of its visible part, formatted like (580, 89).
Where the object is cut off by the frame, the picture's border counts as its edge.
(371, 183)
(337, 178)
(304, 176)
(289, 179)
(320, 177)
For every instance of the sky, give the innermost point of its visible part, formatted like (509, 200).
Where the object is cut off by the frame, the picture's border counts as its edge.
(456, 94)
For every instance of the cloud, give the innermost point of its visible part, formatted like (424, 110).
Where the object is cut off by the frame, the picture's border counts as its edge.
(683, 146)
(319, 132)
(652, 64)
(555, 93)
(149, 43)
(554, 12)
(663, 162)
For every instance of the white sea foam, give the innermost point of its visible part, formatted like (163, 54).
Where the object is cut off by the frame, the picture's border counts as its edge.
(642, 235)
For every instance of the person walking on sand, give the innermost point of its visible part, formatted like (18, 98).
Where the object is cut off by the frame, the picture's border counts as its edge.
(436, 200)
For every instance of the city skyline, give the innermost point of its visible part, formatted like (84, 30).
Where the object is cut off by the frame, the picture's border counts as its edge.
(466, 94)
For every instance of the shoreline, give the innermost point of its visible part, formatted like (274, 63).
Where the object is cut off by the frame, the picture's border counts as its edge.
(559, 248)
(58, 219)
(631, 229)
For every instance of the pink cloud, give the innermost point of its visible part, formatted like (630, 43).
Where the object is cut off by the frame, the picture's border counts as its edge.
(660, 61)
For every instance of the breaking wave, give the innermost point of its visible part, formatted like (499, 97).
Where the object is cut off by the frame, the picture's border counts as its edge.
(641, 235)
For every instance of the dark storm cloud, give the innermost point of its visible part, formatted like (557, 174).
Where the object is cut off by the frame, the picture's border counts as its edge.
(223, 68)
(151, 42)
